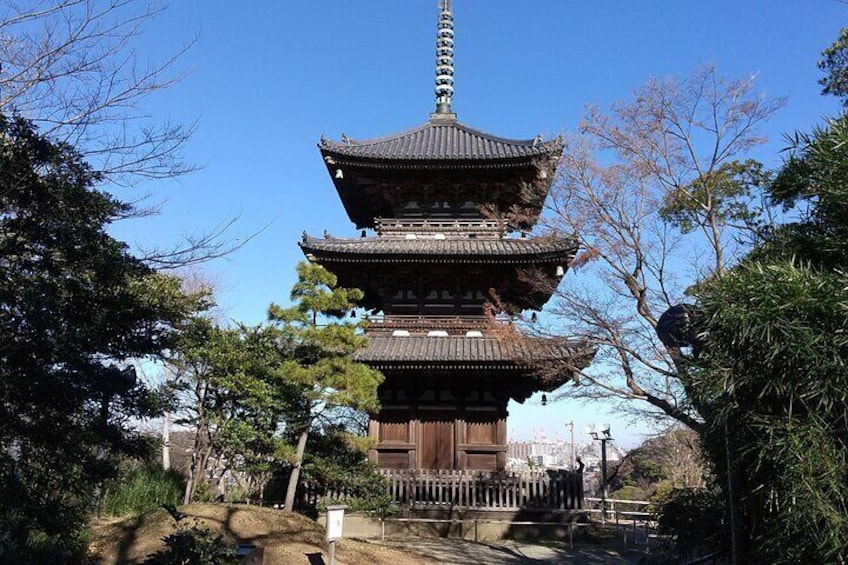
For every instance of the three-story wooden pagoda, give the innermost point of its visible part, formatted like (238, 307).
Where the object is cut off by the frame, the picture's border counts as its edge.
(443, 263)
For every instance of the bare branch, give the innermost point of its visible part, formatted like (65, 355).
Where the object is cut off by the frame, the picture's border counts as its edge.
(614, 182)
(70, 67)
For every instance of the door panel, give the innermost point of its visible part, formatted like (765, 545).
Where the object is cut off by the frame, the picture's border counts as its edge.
(437, 444)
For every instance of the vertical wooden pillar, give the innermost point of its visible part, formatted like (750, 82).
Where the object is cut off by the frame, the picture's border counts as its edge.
(460, 457)
(500, 440)
(415, 438)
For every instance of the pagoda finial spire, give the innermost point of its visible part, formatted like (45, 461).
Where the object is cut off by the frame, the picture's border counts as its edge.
(444, 61)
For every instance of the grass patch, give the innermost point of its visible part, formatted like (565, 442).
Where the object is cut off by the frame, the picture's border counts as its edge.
(141, 488)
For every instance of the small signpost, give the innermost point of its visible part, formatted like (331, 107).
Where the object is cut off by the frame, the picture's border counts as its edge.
(335, 523)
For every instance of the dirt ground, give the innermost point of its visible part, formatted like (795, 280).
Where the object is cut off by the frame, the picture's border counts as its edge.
(291, 539)
(464, 552)
(286, 539)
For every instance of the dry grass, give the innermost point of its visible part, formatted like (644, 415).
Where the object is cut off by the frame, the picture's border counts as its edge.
(286, 538)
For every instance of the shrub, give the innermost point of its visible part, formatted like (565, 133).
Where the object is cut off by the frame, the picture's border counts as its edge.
(190, 545)
(695, 519)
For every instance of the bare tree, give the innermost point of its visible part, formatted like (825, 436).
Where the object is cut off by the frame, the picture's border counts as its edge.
(682, 458)
(72, 68)
(658, 191)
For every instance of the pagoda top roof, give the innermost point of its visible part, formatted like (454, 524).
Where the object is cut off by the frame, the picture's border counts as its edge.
(442, 139)
(463, 250)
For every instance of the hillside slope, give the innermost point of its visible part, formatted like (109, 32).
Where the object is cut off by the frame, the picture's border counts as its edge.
(286, 538)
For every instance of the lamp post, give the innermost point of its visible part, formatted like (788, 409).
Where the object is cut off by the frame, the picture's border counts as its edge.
(571, 429)
(602, 435)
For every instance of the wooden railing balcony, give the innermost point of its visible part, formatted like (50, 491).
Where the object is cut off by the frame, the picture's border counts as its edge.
(421, 323)
(448, 226)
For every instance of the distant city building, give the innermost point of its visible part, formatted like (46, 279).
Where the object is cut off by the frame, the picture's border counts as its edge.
(540, 452)
(557, 453)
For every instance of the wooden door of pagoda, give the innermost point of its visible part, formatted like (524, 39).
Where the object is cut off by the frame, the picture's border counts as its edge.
(437, 443)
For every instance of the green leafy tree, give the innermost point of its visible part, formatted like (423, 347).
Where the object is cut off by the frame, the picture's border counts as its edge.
(321, 366)
(770, 369)
(834, 63)
(336, 459)
(231, 394)
(75, 308)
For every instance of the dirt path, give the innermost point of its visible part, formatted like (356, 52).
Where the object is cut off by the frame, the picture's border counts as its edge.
(508, 553)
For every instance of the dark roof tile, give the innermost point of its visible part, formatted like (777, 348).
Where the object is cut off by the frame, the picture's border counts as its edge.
(442, 140)
(383, 350)
(527, 250)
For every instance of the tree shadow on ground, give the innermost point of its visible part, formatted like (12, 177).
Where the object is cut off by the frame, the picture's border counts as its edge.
(134, 539)
(510, 553)
(128, 537)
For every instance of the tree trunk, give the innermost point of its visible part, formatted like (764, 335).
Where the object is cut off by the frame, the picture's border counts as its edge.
(166, 442)
(295, 474)
(199, 459)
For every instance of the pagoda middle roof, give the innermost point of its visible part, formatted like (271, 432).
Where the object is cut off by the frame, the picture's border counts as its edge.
(425, 350)
(495, 250)
(442, 140)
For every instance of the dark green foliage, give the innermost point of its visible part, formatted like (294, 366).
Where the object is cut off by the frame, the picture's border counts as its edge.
(141, 488)
(336, 461)
(696, 520)
(320, 364)
(834, 62)
(192, 545)
(75, 306)
(722, 196)
(773, 367)
(235, 399)
(814, 182)
(770, 369)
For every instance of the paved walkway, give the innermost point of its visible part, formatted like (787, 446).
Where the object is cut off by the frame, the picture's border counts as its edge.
(464, 552)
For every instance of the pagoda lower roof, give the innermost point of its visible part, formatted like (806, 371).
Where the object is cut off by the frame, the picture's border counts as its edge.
(426, 250)
(441, 140)
(422, 352)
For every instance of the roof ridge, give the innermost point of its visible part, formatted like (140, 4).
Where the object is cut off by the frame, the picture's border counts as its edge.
(532, 142)
(327, 143)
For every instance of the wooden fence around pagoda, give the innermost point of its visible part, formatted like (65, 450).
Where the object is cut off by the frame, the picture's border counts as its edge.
(475, 490)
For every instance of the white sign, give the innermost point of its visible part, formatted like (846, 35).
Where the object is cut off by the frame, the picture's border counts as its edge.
(335, 522)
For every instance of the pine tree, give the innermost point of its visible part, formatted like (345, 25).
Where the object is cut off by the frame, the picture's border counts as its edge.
(321, 364)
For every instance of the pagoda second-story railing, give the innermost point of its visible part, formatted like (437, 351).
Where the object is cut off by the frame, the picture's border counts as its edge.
(422, 323)
(460, 227)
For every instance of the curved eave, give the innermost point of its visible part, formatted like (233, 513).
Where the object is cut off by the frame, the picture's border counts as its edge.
(507, 352)
(436, 251)
(536, 365)
(440, 142)
(334, 160)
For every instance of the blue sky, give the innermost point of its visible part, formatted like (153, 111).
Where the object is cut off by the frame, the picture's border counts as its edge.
(265, 79)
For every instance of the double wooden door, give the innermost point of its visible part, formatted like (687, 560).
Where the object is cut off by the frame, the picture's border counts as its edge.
(437, 444)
